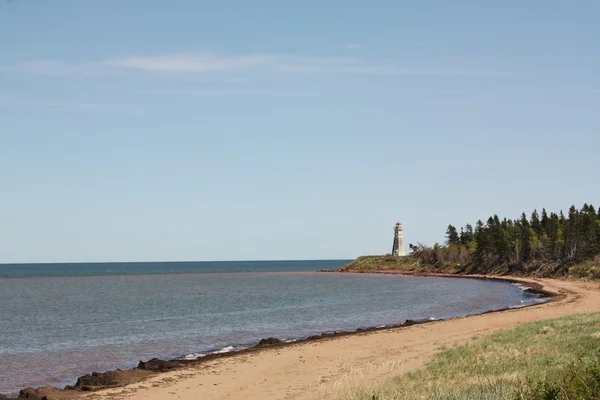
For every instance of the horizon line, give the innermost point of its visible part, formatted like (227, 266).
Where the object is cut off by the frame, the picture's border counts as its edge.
(178, 261)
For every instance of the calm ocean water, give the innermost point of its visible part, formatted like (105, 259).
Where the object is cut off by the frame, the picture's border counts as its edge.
(60, 321)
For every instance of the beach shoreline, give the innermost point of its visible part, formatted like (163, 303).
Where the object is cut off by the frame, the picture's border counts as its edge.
(145, 371)
(319, 369)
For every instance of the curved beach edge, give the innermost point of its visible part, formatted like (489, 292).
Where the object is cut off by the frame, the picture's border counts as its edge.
(527, 283)
(99, 382)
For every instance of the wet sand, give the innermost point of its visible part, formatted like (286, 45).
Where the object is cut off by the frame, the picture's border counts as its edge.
(318, 369)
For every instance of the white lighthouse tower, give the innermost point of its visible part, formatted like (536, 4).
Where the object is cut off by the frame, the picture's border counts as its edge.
(398, 247)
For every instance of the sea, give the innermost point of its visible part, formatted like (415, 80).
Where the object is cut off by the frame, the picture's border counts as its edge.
(61, 321)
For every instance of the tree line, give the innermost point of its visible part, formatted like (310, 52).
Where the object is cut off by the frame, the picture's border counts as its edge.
(552, 242)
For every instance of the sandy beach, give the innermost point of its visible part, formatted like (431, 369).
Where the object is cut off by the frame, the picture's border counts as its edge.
(320, 369)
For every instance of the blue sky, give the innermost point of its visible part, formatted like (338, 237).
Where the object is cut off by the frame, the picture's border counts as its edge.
(191, 130)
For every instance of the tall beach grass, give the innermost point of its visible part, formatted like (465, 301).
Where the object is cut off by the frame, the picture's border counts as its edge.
(545, 360)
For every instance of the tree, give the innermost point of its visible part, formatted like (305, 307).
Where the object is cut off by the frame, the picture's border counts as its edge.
(514, 242)
(545, 221)
(572, 232)
(481, 242)
(552, 240)
(452, 237)
(536, 223)
(588, 234)
(467, 234)
(526, 238)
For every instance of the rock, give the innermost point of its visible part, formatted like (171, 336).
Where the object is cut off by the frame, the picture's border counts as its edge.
(100, 380)
(269, 342)
(3, 397)
(157, 365)
(97, 379)
(31, 393)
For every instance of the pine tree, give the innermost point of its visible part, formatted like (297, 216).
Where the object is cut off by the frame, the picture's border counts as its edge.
(535, 244)
(572, 232)
(522, 243)
(481, 243)
(452, 237)
(535, 223)
(545, 221)
(469, 237)
(525, 238)
(588, 234)
(515, 242)
(560, 243)
(501, 246)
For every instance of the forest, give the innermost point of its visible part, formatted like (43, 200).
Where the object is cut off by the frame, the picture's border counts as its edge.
(541, 244)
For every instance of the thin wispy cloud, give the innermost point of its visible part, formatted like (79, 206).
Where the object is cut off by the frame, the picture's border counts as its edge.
(65, 106)
(51, 67)
(354, 46)
(193, 62)
(383, 69)
(214, 63)
(199, 63)
(208, 92)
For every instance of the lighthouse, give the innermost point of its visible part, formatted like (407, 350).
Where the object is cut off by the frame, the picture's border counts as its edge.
(398, 247)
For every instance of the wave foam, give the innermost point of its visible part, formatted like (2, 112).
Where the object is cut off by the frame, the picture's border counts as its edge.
(226, 349)
(193, 356)
(521, 286)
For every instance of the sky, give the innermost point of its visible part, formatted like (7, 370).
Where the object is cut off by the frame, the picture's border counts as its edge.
(145, 130)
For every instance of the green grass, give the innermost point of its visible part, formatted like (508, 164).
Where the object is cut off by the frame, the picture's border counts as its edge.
(552, 359)
(409, 264)
(384, 263)
(588, 270)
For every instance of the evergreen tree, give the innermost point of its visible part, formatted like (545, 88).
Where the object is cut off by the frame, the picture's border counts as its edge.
(560, 242)
(545, 221)
(572, 231)
(500, 241)
(525, 238)
(469, 237)
(480, 242)
(514, 242)
(536, 248)
(536, 223)
(452, 237)
(552, 240)
(588, 234)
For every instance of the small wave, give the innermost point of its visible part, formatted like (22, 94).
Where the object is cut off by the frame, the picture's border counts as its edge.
(521, 286)
(226, 349)
(193, 356)
(196, 356)
(518, 306)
